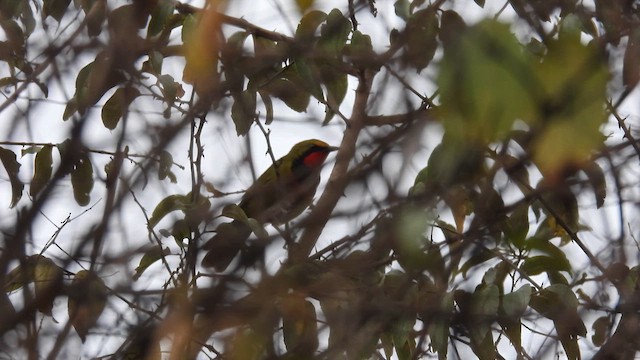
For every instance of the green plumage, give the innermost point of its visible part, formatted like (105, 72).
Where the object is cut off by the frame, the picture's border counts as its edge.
(279, 195)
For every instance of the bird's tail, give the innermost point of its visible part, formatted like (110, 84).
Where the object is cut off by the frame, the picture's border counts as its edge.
(230, 238)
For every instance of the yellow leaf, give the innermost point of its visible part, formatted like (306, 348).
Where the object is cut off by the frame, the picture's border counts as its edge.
(201, 48)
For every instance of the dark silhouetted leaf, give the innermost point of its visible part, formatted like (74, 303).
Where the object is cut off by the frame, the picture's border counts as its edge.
(309, 77)
(117, 105)
(514, 304)
(42, 170)
(535, 265)
(165, 206)
(12, 166)
(149, 258)
(290, 90)
(164, 167)
(422, 30)
(402, 9)
(334, 33)
(360, 50)
(336, 85)
(439, 327)
(82, 179)
(304, 5)
(268, 105)
(243, 111)
(600, 330)
(309, 24)
(87, 300)
(159, 17)
(480, 57)
(55, 8)
(597, 180)
(171, 89)
(299, 326)
(44, 274)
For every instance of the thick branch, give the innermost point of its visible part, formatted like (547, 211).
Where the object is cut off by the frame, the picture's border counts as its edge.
(338, 180)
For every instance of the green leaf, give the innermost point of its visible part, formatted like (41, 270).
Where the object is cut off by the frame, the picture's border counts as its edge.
(47, 279)
(95, 79)
(478, 257)
(516, 226)
(309, 24)
(572, 80)
(402, 9)
(289, 89)
(268, 105)
(560, 304)
(480, 3)
(631, 62)
(154, 64)
(43, 273)
(601, 330)
(55, 8)
(15, 36)
(170, 88)
(189, 24)
(82, 179)
(165, 164)
(235, 212)
(26, 16)
(484, 306)
(439, 326)
(167, 205)
(411, 226)
(422, 30)
(12, 166)
(19, 276)
(387, 345)
(160, 16)
(488, 53)
(405, 349)
(334, 33)
(336, 85)
(7, 81)
(514, 304)
(304, 5)
(78, 102)
(70, 108)
(309, 77)
(243, 111)
(485, 301)
(42, 170)
(150, 256)
(96, 18)
(360, 50)
(87, 300)
(30, 150)
(299, 326)
(452, 29)
(597, 180)
(180, 231)
(10, 8)
(536, 265)
(117, 105)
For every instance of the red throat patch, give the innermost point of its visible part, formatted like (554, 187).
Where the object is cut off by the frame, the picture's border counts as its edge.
(315, 159)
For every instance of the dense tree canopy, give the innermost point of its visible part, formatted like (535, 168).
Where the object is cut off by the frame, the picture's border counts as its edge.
(481, 201)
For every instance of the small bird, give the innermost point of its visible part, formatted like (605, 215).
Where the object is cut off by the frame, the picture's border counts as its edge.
(279, 195)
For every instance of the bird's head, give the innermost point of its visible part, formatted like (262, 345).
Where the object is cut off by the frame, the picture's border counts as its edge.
(311, 153)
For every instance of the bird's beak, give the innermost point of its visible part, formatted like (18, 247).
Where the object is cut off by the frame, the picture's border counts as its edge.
(332, 148)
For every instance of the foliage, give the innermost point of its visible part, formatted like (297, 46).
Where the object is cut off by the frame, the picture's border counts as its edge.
(516, 123)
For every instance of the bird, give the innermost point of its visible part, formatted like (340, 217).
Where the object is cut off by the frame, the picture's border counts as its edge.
(278, 196)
